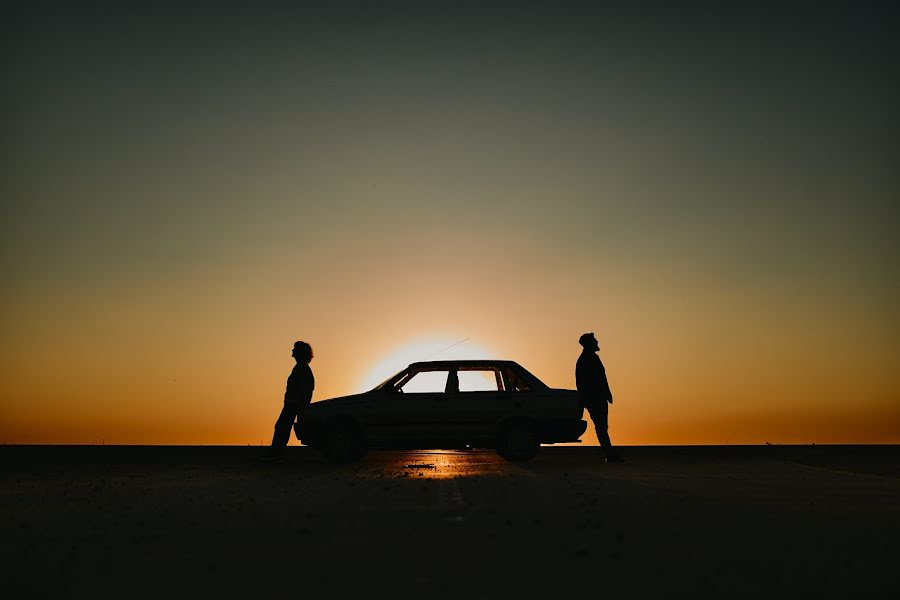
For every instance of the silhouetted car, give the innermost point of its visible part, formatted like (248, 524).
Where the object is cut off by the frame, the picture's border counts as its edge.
(447, 404)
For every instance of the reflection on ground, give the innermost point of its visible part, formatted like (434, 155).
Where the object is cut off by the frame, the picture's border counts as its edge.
(437, 464)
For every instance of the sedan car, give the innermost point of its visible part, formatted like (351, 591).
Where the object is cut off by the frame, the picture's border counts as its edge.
(446, 404)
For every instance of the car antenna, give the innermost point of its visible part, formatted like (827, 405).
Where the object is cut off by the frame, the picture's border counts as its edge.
(447, 348)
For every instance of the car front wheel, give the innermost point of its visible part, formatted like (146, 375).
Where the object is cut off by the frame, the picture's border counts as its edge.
(518, 441)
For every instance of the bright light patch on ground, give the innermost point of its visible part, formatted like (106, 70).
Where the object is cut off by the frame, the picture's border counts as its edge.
(438, 348)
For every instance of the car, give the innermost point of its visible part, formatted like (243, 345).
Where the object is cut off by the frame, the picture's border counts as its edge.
(451, 404)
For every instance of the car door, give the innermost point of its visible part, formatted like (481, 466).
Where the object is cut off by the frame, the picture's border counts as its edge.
(413, 412)
(474, 410)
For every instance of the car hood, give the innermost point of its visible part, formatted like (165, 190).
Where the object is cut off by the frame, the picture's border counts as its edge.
(340, 402)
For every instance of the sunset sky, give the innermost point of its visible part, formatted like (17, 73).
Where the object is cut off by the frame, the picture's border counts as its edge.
(713, 190)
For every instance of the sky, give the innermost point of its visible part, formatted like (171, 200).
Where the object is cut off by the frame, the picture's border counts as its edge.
(188, 188)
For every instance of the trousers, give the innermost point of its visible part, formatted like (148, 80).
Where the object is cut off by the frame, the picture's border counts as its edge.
(599, 412)
(283, 426)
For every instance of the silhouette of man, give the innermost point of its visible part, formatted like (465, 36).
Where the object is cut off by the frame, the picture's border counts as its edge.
(297, 396)
(590, 379)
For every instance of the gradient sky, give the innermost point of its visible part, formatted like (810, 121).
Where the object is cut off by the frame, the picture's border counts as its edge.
(712, 189)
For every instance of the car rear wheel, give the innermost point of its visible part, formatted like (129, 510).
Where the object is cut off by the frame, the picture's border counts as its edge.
(344, 442)
(518, 441)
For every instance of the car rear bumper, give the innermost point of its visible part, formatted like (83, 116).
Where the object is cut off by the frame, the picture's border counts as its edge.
(561, 431)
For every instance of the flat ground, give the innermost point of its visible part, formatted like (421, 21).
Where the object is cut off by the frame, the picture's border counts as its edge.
(105, 521)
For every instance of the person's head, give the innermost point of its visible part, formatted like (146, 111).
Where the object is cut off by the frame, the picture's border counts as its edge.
(302, 352)
(589, 342)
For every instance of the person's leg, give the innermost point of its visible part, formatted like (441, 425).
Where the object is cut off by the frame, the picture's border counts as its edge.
(601, 426)
(600, 416)
(283, 427)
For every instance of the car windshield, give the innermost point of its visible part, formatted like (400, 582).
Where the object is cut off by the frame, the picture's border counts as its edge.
(385, 382)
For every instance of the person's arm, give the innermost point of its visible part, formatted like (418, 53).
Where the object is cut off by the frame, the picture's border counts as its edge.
(309, 384)
(604, 384)
(580, 377)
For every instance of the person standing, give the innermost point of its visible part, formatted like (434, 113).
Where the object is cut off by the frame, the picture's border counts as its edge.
(297, 396)
(590, 379)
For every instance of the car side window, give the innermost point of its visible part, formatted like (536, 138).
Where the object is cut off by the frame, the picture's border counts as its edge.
(425, 382)
(479, 380)
(514, 382)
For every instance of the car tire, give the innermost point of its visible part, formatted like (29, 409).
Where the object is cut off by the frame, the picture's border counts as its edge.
(344, 442)
(518, 441)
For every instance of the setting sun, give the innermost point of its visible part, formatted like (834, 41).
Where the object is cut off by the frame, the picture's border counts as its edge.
(436, 348)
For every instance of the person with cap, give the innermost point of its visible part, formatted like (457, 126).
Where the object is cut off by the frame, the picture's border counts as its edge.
(590, 379)
(297, 396)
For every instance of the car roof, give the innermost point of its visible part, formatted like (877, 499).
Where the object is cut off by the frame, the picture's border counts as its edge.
(480, 362)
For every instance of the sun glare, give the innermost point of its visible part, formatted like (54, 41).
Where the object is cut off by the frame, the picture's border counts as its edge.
(438, 348)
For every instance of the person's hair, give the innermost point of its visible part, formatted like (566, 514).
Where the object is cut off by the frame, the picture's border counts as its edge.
(305, 349)
(586, 339)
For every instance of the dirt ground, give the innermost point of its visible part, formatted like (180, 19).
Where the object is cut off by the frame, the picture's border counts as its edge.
(736, 522)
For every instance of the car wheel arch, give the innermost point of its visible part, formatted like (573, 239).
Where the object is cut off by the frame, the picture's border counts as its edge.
(528, 440)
